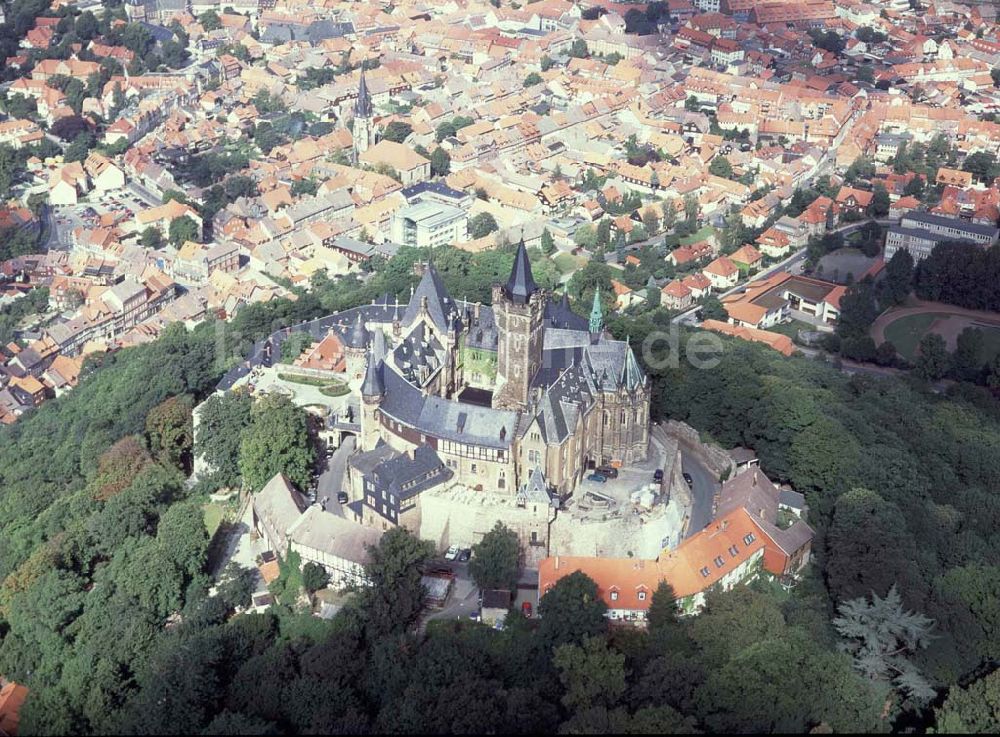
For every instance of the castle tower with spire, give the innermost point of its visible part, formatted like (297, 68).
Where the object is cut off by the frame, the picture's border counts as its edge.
(372, 394)
(519, 311)
(364, 124)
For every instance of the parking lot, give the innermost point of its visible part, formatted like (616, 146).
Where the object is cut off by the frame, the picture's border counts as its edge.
(64, 219)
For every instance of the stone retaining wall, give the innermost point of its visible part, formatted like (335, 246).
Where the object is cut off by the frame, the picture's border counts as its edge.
(713, 456)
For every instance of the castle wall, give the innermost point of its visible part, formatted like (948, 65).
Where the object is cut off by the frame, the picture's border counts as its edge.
(460, 516)
(619, 534)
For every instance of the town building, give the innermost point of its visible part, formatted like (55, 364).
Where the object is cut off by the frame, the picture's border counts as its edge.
(426, 224)
(919, 232)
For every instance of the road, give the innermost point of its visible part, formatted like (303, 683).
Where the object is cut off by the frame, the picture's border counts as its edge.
(331, 480)
(704, 486)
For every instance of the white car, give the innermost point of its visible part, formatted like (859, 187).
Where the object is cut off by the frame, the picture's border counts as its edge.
(452, 553)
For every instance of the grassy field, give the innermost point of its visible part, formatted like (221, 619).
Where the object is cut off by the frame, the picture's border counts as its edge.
(906, 332)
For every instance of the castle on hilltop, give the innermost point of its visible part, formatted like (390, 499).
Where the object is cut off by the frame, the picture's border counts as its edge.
(493, 394)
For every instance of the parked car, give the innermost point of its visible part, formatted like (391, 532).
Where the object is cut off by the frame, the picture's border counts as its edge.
(687, 478)
(658, 475)
(526, 609)
(599, 478)
(342, 497)
(452, 553)
(464, 555)
(608, 472)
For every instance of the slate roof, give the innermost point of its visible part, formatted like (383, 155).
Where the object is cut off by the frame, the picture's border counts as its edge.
(521, 284)
(560, 315)
(418, 355)
(440, 306)
(465, 423)
(373, 385)
(358, 335)
(480, 332)
(402, 477)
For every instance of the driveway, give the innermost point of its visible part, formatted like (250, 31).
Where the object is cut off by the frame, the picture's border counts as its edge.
(463, 599)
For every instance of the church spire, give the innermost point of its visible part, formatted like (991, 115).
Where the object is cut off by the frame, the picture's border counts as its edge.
(596, 314)
(363, 105)
(521, 284)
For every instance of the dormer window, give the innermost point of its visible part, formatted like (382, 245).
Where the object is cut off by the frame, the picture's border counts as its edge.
(614, 596)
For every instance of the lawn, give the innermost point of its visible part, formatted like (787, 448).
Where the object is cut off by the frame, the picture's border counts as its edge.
(906, 332)
(307, 380)
(327, 387)
(214, 513)
(336, 389)
(698, 235)
(567, 263)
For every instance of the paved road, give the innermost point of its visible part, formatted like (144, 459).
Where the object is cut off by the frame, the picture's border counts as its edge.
(703, 489)
(332, 479)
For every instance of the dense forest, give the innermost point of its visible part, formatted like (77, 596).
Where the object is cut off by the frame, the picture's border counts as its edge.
(108, 614)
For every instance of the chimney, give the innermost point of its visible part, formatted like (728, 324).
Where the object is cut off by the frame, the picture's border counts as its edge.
(557, 562)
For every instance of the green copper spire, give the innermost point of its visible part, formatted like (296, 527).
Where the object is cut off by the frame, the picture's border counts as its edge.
(596, 314)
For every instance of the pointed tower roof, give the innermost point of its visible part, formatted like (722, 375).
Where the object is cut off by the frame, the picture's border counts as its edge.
(373, 384)
(379, 348)
(439, 302)
(358, 335)
(596, 313)
(363, 105)
(521, 284)
(632, 374)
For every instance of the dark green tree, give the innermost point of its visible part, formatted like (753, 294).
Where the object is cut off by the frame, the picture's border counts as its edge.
(182, 230)
(276, 441)
(496, 559)
(933, 361)
(571, 611)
